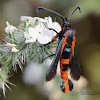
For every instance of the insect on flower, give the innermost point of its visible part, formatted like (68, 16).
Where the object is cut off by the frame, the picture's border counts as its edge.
(66, 53)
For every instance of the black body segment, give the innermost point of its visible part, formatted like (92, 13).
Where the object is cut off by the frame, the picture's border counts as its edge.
(70, 84)
(62, 86)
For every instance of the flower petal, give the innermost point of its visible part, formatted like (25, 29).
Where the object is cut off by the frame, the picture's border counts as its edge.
(40, 19)
(14, 49)
(11, 45)
(30, 40)
(49, 21)
(44, 39)
(26, 35)
(25, 18)
(56, 26)
(33, 33)
(10, 28)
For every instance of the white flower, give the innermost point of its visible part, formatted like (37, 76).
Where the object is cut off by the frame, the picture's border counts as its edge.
(39, 29)
(31, 35)
(33, 21)
(25, 18)
(53, 25)
(46, 35)
(10, 29)
(40, 19)
(13, 47)
(43, 37)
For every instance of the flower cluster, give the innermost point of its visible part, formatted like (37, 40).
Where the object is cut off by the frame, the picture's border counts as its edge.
(36, 29)
(25, 43)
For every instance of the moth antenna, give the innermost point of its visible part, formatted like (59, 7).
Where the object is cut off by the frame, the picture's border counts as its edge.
(73, 12)
(51, 12)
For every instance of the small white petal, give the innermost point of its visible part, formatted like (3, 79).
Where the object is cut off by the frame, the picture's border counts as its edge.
(53, 25)
(39, 29)
(7, 23)
(10, 28)
(13, 29)
(25, 18)
(44, 39)
(11, 45)
(7, 30)
(26, 35)
(27, 24)
(30, 40)
(49, 21)
(14, 49)
(40, 19)
(31, 36)
(56, 26)
(48, 32)
(33, 33)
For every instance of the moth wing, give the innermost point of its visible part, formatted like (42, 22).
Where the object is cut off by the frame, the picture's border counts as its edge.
(75, 67)
(52, 70)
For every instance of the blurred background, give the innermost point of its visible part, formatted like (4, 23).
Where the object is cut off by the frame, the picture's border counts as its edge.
(31, 83)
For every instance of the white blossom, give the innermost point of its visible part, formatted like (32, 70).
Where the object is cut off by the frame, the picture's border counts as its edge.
(43, 36)
(40, 31)
(54, 25)
(33, 21)
(46, 35)
(10, 29)
(13, 47)
(31, 35)
(33, 29)
(25, 18)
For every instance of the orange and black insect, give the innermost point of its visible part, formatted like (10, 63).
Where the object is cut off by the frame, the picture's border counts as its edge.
(66, 53)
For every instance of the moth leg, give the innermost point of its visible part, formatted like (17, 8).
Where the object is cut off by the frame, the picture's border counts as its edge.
(51, 29)
(48, 57)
